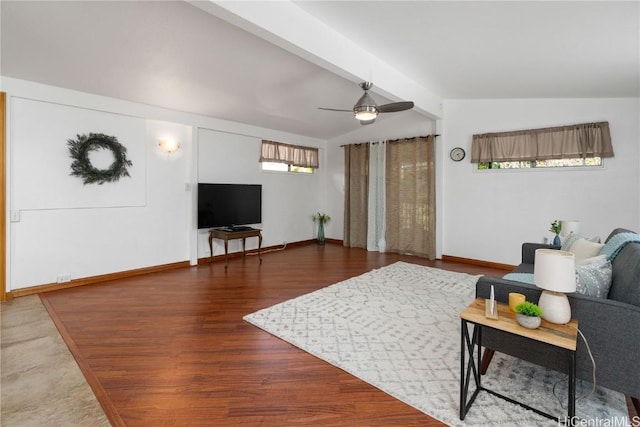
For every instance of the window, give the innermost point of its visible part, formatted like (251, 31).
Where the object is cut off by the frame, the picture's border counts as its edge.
(277, 156)
(559, 147)
(283, 167)
(541, 164)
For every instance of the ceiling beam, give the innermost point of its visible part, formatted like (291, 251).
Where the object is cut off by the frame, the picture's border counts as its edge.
(293, 29)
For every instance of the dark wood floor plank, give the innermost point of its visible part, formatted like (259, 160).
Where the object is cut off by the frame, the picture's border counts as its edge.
(171, 348)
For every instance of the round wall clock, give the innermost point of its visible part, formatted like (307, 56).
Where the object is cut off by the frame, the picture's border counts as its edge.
(457, 154)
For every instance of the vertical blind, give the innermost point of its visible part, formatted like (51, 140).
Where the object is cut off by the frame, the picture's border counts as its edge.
(563, 142)
(295, 155)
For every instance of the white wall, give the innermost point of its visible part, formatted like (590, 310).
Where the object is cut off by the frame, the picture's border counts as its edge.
(483, 216)
(289, 200)
(487, 215)
(68, 229)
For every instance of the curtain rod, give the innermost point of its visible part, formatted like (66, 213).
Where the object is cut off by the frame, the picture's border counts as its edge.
(435, 135)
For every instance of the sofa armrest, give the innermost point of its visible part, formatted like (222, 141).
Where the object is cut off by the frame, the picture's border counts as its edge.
(504, 287)
(610, 327)
(529, 251)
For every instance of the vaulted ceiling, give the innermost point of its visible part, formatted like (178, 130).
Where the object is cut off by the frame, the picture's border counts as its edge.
(271, 64)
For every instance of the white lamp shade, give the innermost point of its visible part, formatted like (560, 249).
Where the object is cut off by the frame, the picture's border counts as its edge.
(569, 226)
(555, 270)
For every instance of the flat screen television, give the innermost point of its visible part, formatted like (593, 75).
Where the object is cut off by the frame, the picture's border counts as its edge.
(229, 205)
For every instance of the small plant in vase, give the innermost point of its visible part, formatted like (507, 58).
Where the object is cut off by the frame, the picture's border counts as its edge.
(528, 315)
(556, 227)
(322, 219)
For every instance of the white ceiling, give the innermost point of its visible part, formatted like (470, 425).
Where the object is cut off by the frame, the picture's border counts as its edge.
(271, 64)
(500, 49)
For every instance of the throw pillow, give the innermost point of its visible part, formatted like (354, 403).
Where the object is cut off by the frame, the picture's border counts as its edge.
(573, 237)
(568, 241)
(593, 277)
(583, 249)
(598, 259)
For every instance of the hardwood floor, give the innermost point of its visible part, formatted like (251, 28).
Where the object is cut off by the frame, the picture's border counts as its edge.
(171, 348)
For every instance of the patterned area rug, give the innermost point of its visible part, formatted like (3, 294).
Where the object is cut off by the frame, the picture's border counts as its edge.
(398, 329)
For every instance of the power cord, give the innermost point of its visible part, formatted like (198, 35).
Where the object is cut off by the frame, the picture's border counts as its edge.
(284, 246)
(593, 363)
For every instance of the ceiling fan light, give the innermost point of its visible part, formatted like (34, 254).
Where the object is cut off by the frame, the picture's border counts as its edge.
(366, 108)
(365, 112)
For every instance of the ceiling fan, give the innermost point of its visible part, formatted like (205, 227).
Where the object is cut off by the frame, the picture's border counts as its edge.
(366, 110)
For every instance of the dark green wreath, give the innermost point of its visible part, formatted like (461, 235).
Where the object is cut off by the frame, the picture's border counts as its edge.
(82, 167)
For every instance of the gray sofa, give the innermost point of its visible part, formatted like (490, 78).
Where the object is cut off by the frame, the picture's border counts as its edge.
(611, 325)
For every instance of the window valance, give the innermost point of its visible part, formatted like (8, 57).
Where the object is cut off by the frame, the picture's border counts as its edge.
(563, 142)
(295, 155)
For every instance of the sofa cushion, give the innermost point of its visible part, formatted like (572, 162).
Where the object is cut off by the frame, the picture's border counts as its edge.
(584, 249)
(573, 237)
(625, 279)
(568, 241)
(593, 276)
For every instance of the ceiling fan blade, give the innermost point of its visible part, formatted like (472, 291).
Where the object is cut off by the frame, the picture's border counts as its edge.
(334, 109)
(367, 122)
(395, 107)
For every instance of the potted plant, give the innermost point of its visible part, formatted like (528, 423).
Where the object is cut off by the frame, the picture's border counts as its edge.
(322, 219)
(556, 226)
(528, 315)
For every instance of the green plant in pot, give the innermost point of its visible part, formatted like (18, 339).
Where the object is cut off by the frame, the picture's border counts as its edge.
(528, 315)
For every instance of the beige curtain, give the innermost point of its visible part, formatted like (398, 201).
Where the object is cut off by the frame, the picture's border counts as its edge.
(564, 142)
(356, 195)
(410, 194)
(295, 155)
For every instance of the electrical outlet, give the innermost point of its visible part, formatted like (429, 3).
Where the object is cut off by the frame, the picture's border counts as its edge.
(63, 278)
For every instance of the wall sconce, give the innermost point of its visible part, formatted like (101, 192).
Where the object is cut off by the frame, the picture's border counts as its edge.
(169, 145)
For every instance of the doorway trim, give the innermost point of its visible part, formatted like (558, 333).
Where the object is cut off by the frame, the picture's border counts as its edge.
(3, 196)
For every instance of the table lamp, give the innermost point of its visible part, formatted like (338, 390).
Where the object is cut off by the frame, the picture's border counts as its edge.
(554, 271)
(568, 227)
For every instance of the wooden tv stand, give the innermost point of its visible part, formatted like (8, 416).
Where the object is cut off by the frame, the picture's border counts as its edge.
(228, 234)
